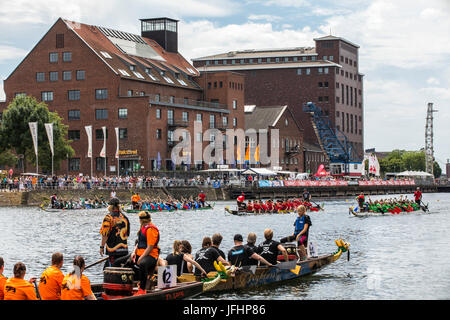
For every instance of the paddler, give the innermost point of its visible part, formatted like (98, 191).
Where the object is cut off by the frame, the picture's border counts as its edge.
(75, 285)
(361, 202)
(17, 288)
(301, 232)
(146, 252)
(115, 231)
(53, 201)
(240, 255)
(213, 253)
(2, 278)
(52, 278)
(180, 259)
(200, 254)
(269, 248)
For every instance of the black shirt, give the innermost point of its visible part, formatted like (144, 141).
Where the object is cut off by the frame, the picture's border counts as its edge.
(240, 255)
(251, 261)
(205, 258)
(269, 250)
(176, 259)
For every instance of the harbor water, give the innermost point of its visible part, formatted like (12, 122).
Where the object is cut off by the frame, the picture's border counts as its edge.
(403, 256)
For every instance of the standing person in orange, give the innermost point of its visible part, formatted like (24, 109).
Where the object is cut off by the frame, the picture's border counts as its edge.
(75, 285)
(2, 278)
(17, 288)
(146, 252)
(135, 201)
(51, 279)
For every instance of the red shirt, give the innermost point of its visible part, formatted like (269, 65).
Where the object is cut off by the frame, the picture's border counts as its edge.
(202, 196)
(418, 195)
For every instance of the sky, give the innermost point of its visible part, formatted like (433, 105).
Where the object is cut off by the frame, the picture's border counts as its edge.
(404, 47)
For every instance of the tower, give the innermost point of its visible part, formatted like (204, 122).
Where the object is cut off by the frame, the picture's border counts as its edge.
(429, 152)
(162, 30)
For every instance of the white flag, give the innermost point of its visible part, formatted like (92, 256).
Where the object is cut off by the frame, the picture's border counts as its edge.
(103, 152)
(117, 139)
(89, 134)
(49, 129)
(33, 129)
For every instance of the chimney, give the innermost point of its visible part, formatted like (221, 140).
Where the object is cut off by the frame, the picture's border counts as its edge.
(162, 30)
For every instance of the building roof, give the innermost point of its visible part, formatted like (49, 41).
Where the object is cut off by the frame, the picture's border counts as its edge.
(330, 37)
(261, 53)
(267, 65)
(262, 117)
(119, 49)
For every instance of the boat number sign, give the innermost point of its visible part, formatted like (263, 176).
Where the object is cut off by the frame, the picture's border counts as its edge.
(167, 276)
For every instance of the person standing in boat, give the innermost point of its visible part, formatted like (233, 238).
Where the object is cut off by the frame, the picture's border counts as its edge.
(306, 196)
(301, 232)
(202, 198)
(361, 202)
(240, 255)
(418, 196)
(135, 198)
(241, 202)
(115, 231)
(51, 279)
(53, 201)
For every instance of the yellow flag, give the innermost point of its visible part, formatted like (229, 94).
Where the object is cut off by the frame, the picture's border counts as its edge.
(256, 155)
(247, 153)
(238, 153)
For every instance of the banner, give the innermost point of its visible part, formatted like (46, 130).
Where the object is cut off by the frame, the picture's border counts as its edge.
(89, 135)
(103, 152)
(117, 142)
(49, 129)
(33, 129)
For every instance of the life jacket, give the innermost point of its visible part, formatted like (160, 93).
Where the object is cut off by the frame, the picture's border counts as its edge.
(241, 198)
(142, 237)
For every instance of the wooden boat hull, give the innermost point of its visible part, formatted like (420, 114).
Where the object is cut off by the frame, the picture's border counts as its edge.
(248, 278)
(61, 210)
(358, 213)
(172, 210)
(250, 213)
(180, 291)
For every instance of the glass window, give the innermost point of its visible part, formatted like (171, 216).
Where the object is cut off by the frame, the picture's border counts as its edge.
(74, 95)
(158, 134)
(199, 117)
(299, 72)
(99, 134)
(234, 122)
(308, 71)
(67, 56)
(53, 57)
(53, 76)
(100, 163)
(47, 96)
(74, 164)
(185, 116)
(67, 75)
(74, 114)
(234, 104)
(101, 114)
(123, 113)
(225, 121)
(101, 94)
(170, 116)
(158, 113)
(40, 76)
(81, 74)
(212, 121)
(123, 133)
(74, 135)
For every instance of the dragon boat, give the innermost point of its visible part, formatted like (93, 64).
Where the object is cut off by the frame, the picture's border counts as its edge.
(49, 208)
(232, 278)
(244, 212)
(208, 207)
(356, 211)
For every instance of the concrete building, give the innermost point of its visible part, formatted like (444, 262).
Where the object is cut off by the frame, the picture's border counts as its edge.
(327, 75)
(141, 84)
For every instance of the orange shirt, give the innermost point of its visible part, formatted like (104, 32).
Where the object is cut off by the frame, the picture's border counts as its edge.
(19, 289)
(2, 286)
(135, 198)
(74, 289)
(50, 283)
(152, 238)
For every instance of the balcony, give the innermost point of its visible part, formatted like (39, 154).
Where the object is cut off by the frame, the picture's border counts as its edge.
(187, 103)
(177, 123)
(292, 150)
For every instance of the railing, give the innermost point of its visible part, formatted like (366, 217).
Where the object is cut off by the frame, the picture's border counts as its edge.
(185, 102)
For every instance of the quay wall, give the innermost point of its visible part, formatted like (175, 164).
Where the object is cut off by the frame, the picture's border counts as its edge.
(37, 197)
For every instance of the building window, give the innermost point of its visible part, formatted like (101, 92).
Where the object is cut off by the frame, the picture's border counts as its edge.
(123, 113)
(53, 76)
(330, 58)
(313, 58)
(81, 74)
(74, 164)
(234, 104)
(170, 116)
(198, 117)
(74, 135)
(325, 70)
(99, 134)
(74, 114)
(234, 122)
(299, 72)
(212, 121)
(73, 95)
(67, 75)
(67, 56)
(185, 116)
(123, 133)
(47, 96)
(225, 121)
(158, 134)
(59, 40)
(101, 114)
(199, 137)
(53, 57)
(101, 94)
(40, 76)
(308, 71)
(320, 70)
(158, 113)
(100, 163)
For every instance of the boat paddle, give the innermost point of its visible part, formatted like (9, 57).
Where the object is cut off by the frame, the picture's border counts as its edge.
(317, 206)
(424, 207)
(95, 263)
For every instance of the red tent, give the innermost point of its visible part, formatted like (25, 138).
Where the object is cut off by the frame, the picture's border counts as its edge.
(321, 172)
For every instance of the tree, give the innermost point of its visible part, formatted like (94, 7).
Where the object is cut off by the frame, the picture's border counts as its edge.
(437, 171)
(15, 133)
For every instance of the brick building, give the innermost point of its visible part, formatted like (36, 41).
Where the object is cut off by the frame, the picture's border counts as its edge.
(326, 75)
(290, 135)
(97, 76)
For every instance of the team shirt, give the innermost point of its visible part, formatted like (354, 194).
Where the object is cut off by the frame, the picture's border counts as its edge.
(269, 250)
(240, 255)
(19, 289)
(2, 286)
(50, 283)
(116, 227)
(74, 288)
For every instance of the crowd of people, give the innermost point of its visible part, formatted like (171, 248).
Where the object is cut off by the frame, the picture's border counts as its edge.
(159, 204)
(392, 205)
(146, 256)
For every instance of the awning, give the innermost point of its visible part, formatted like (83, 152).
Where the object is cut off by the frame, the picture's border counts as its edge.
(259, 171)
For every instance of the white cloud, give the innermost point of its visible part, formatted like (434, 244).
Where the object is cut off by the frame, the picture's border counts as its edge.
(11, 53)
(280, 3)
(433, 81)
(267, 17)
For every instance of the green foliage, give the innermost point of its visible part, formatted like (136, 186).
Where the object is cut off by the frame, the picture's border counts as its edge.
(15, 133)
(7, 158)
(401, 160)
